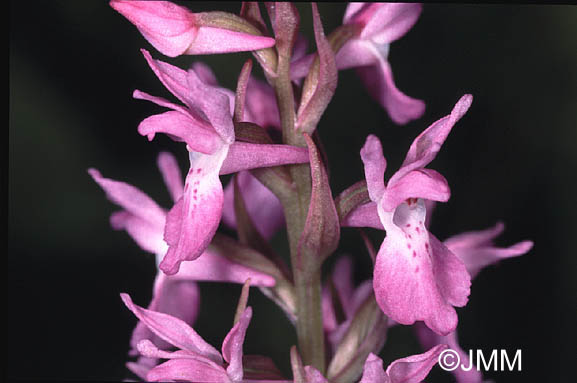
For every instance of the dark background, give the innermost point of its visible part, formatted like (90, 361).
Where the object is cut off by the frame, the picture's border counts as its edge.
(73, 67)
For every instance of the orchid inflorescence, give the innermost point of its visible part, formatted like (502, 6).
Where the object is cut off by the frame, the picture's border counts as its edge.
(265, 134)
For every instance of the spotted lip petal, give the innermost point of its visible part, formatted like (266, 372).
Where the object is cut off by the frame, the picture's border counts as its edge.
(194, 219)
(415, 276)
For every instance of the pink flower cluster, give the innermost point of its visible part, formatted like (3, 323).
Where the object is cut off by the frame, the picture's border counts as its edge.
(417, 280)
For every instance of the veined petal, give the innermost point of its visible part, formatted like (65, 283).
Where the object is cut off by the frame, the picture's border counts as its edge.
(172, 77)
(405, 279)
(181, 127)
(171, 174)
(192, 222)
(180, 299)
(375, 165)
(214, 103)
(233, 343)
(391, 21)
(173, 330)
(426, 146)
(378, 79)
(365, 215)
(130, 198)
(170, 28)
(212, 266)
(210, 40)
(149, 236)
(373, 371)
(356, 53)
(422, 183)
(189, 370)
(245, 155)
(414, 368)
(477, 251)
(262, 205)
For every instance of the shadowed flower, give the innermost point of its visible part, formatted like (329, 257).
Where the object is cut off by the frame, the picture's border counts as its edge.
(174, 30)
(195, 360)
(377, 25)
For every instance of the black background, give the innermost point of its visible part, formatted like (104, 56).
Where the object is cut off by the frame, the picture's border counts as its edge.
(73, 67)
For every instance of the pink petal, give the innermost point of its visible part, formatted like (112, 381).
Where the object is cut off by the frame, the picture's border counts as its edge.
(426, 146)
(422, 183)
(212, 266)
(245, 155)
(428, 339)
(181, 127)
(147, 235)
(130, 198)
(314, 376)
(180, 299)
(141, 367)
(375, 165)
(365, 215)
(189, 370)
(405, 283)
(168, 27)
(356, 53)
(477, 251)
(415, 368)
(373, 371)
(192, 222)
(173, 330)
(261, 104)
(379, 81)
(262, 205)
(171, 174)
(353, 10)
(390, 21)
(452, 277)
(343, 281)
(233, 343)
(211, 40)
(214, 103)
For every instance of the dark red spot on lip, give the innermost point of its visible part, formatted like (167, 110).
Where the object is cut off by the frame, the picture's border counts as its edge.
(408, 225)
(414, 253)
(195, 191)
(198, 170)
(409, 245)
(417, 230)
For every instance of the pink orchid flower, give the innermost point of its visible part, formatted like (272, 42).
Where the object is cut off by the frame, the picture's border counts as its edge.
(177, 295)
(206, 126)
(174, 30)
(379, 24)
(416, 277)
(476, 250)
(195, 360)
(412, 369)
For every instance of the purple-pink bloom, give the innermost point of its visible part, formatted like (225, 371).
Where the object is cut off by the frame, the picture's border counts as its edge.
(415, 277)
(174, 30)
(195, 360)
(378, 25)
(412, 369)
(206, 126)
(476, 250)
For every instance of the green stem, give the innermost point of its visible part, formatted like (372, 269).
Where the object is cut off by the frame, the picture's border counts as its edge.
(308, 289)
